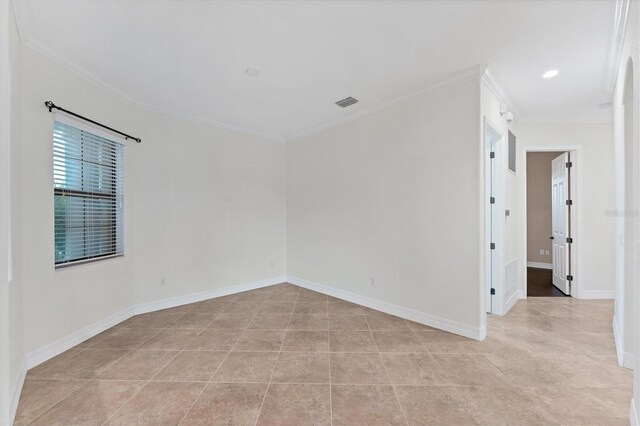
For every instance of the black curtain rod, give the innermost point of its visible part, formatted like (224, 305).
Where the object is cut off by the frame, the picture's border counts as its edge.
(52, 106)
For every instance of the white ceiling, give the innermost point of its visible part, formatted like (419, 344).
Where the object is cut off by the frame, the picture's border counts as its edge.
(189, 57)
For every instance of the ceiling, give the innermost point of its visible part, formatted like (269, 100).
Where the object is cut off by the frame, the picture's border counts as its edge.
(189, 57)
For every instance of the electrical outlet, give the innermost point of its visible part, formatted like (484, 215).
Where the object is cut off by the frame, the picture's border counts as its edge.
(372, 282)
(546, 252)
(542, 252)
(163, 282)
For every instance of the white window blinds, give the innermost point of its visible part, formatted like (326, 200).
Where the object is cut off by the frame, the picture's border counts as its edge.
(87, 175)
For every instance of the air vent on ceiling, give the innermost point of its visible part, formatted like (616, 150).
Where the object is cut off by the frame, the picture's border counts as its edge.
(347, 102)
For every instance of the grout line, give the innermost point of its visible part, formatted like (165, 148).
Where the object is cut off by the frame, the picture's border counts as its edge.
(163, 367)
(404, 416)
(275, 364)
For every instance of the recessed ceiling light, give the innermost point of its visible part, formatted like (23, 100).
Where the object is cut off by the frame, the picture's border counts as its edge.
(550, 74)
(252, 72)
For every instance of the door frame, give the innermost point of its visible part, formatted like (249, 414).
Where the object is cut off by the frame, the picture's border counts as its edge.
(575, 186)
(494, 139)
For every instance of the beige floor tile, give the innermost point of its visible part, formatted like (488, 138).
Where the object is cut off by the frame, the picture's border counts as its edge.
(300, 404)
(471, 370)
(270, 322)
(92, 404)
(310, 308)
(137, 365)
(243, 307)
(158, 319)
(529, 370)
(191, 366)
(125, 338)
(227, 404)
(231, 321)
(351, 368)
(311, 296)
(193, 321)
(85, 365)
(397, 341)
(283, 296)
(247, 367)
(302, 367)
(38, 395)
(434, 405)
(380, 321)
(64, 356)
(158, 403)
(306, 341)
(215, 340)
(341, 307)
(212, 306)
(276, 308)
(360, 405)
(351, 341)
(171, 340)
(414, 369)
(260, 340)
(253, 296)
(309, 322)
(348, 322)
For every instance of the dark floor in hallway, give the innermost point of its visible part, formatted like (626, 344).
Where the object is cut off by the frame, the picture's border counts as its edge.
(539, 284)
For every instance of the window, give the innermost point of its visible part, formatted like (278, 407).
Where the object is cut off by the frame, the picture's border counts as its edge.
(87, 190)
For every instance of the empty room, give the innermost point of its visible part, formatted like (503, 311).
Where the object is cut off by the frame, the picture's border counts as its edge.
(319, 212)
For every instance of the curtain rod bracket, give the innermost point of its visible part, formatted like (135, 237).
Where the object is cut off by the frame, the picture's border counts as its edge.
(51, 106)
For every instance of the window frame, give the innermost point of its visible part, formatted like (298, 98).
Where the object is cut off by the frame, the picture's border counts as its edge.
(115, 195)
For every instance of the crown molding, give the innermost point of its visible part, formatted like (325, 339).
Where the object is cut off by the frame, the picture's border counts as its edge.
(498, 90)
(454, 79)
(25, 32)
(213, 123)
(616, 43)
(564, 120)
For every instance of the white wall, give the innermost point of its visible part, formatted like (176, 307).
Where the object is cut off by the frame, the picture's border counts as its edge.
(394, 196)
(595, 236)
(627, 204)
(204, 208)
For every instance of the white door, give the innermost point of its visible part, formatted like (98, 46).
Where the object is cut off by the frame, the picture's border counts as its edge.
(560, 222)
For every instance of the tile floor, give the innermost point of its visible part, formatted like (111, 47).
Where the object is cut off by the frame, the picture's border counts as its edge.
(283, 355)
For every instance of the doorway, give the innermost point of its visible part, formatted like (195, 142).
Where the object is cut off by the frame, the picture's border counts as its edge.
(550, 223)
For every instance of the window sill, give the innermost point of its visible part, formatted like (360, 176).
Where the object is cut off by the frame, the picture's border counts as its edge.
(62, 266)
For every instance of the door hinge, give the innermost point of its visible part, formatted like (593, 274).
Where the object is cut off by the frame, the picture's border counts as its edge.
(492, 155)
(492, 200)
(493, 291)
(569, 277)
(569, 164)
(570, 240)
(569, 202)
(492, 246)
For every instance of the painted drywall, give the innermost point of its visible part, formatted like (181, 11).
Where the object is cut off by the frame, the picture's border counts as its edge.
(627, 203)
(394, 197)
(539, 206)
(204, 209)
(594, 236)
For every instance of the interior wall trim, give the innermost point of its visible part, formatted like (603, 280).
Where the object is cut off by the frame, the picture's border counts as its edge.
(466, 330)
(55, 348)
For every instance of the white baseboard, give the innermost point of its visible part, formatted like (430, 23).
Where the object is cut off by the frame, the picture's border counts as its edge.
(597, 294)
(16, 390)
(625, 359)
(540, 265)
(512, 300)
(52, 349)
(477, 333)
(633, 415)
(143, 308)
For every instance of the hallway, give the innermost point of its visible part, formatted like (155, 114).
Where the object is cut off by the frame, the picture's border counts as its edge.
(286, 355)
